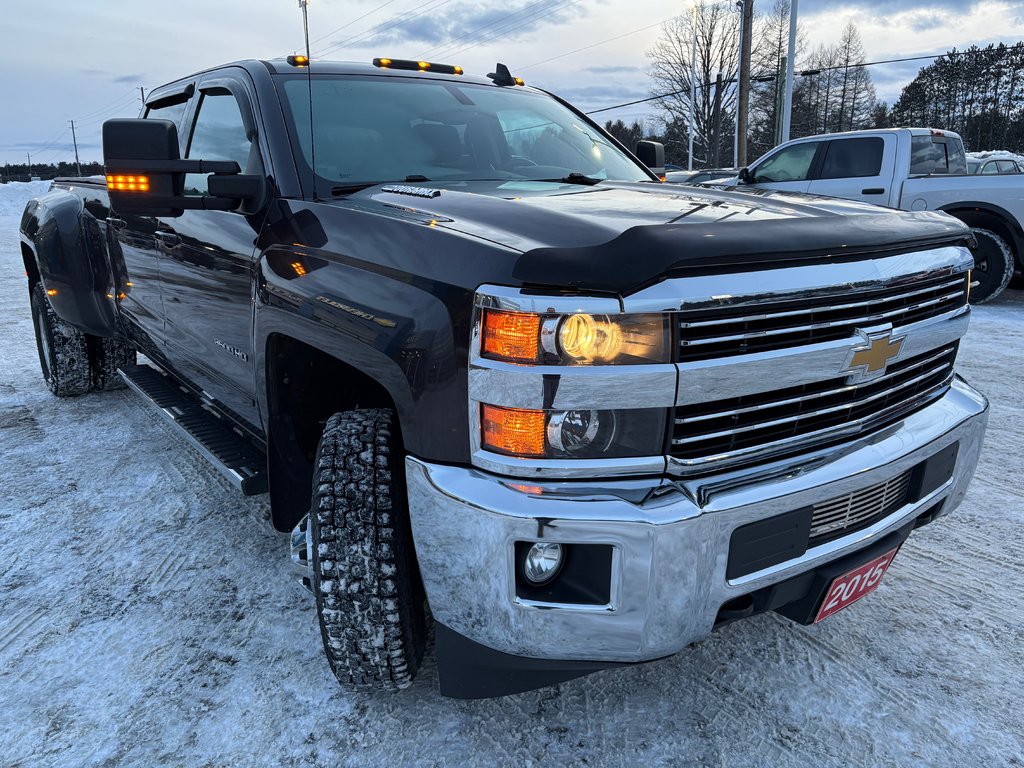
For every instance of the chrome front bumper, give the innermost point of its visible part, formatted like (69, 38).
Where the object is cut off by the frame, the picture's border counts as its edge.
(670, 550)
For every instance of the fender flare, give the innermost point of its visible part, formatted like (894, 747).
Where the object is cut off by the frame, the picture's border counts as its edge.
(69, 248)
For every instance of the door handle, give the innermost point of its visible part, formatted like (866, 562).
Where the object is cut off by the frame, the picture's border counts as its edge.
(170, 239)
(873, 191)
(116, 223)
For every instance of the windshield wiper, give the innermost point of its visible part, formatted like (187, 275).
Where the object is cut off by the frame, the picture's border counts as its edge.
(574, 178)
(347, 189)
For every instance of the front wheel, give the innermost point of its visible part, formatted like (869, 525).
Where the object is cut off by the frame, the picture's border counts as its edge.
(369, 596)
(993, 265)
(63, 349)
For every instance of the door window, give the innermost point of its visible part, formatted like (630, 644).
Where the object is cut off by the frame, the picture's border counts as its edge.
(790, 164)
(853, 158)
(219, 134)
(990, 168)
(1007, 166)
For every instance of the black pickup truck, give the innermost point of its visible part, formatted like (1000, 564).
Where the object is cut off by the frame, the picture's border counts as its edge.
(506, 389)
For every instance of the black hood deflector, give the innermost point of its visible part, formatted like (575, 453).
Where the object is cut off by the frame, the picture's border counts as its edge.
(643, 255)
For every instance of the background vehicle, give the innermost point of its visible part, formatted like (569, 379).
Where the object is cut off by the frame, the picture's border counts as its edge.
(483, 360)
(989, 163)
(916, 169)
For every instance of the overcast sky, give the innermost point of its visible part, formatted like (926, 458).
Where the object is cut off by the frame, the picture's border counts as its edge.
(64, 59)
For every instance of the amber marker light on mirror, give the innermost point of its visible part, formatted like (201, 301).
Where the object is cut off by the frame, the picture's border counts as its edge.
(511, 336)
(128, 182)
(512, 431)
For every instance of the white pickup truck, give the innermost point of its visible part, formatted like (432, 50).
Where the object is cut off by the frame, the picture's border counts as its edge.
(916, 169)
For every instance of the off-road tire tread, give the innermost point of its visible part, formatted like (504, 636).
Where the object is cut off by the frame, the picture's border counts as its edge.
(66, 369)
(369, 596)
(981, 294)
(106, 356)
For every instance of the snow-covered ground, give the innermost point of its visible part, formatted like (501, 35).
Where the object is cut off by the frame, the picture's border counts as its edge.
(148, 617)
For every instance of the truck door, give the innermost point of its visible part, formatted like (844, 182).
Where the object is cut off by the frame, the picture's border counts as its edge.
(207, 259)
(142, 305)
(790, 168)
(858, 168)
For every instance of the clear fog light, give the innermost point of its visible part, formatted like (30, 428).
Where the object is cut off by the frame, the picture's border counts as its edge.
(572, 431)
(543, 561)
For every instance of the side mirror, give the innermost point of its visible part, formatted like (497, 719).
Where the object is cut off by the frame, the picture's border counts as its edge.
(652, 154)
(146, 176)
(745, 176)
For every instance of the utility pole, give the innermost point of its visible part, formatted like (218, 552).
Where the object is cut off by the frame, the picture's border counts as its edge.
(717, 122)
(787, 107)
(74, 139)
(29, 156)
(780, 104)
(142, 95)
(746, 37)
(693, 84)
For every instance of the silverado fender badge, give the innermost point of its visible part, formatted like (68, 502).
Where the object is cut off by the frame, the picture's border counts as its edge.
(401, 189)
(868, 360)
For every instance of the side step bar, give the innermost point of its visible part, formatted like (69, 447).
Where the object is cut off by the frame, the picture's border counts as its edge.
(237, 458)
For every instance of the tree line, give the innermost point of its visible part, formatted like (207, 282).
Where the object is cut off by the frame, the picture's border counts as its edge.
(16, 172)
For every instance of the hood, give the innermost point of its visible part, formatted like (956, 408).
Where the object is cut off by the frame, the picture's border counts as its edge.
(620, 236)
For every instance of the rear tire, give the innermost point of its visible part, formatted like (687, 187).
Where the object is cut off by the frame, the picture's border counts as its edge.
(63, 349)
(369, 597)
(106, 356)
(993, 265)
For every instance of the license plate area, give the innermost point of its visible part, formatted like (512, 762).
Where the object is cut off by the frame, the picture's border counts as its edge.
(851, 586)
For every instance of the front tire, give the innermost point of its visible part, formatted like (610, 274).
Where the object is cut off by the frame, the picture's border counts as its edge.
(369, 597)
(993, 265)
(63, 349)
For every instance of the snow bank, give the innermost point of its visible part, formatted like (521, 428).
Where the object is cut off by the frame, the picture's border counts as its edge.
(13, 196)
(996, 154)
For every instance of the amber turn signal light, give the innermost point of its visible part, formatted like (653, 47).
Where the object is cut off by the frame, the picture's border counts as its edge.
(130, 183)
(512, 431)
(512, 336)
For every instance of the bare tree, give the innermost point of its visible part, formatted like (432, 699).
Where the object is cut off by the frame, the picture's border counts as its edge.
(839, 95)
(771, 43)
(717, 28)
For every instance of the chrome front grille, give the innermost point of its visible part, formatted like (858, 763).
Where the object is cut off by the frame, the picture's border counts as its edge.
(860, 509)
(794, 418)
(738, 330)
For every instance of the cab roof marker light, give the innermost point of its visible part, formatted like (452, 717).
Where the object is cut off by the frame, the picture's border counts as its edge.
(383, 62)
(298, 60)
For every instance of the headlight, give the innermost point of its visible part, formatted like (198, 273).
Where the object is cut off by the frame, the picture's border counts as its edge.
(575, 339)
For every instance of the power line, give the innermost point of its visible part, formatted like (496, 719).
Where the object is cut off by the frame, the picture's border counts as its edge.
(394, 21)
(118, 100)
(594, 45)
(802, 73)
(354, 21)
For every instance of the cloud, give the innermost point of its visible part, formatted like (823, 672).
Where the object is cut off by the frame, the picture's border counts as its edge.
(465, 24)
(139, 78)
(623, 70)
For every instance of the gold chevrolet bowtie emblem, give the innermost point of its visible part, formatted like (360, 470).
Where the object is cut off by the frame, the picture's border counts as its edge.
(871, 357)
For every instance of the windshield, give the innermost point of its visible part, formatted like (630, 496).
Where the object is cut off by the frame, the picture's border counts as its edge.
(379, 129)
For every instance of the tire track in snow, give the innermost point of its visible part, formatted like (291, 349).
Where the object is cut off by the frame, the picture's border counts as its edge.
(27, 620)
